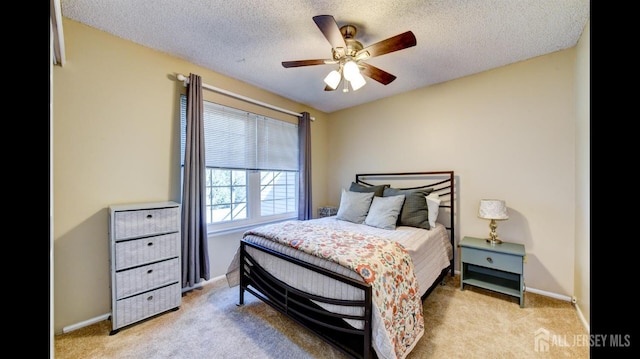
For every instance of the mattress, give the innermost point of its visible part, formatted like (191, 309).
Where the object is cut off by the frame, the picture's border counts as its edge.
(430, 250)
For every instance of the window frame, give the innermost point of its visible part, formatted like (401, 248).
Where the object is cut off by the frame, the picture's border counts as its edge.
(252, 182)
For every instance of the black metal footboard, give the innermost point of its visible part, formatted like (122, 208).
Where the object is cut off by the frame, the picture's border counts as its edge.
(300, 306)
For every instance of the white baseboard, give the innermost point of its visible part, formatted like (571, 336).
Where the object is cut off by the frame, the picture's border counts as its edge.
(582, 319)
(106, 316)
(565, 298)
(549, 294)
(556, 296)
(85, 323)
(199, 285)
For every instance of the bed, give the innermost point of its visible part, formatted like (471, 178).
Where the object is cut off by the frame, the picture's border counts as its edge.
(357, 279)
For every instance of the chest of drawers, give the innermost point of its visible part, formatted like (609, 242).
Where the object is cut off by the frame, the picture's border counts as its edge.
(145, 248)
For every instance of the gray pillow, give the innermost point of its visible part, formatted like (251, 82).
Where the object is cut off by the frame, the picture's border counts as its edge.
(378, 190)
(414, 212)
(384, 212)
(354, 206)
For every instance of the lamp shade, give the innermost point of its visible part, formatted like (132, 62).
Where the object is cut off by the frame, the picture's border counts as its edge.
(357, 82)
(493, 209)
(351, 70)
(333, 79)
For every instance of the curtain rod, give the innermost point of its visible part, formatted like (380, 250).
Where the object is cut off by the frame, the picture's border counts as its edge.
(185, 80)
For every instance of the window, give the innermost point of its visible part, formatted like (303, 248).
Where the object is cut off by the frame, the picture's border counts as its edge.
(251, 166)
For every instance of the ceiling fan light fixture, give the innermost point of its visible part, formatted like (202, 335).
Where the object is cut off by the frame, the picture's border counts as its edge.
(333, 79)
(351, 70)
(357, 82)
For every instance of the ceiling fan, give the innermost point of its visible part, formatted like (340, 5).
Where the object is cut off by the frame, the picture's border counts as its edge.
(350, 55)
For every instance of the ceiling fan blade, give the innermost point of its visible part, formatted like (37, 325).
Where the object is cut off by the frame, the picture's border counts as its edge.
(299, 63)
(377, 74)
(327, 24)
(395, 43)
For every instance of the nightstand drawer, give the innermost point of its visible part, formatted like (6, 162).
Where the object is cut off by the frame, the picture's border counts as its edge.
(494, 260)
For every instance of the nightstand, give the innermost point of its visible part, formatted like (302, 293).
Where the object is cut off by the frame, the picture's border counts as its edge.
(327, 211)
(497, 267)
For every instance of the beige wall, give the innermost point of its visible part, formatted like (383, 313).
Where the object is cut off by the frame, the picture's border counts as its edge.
(583, 171)
(509, 133)
(116, 140)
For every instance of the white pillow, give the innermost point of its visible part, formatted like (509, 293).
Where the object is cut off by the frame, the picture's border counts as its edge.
(384, 212)
(354, 206)
(433, 205)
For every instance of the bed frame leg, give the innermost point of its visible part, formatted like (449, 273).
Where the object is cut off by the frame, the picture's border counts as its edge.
(241, 297)
(242, 278)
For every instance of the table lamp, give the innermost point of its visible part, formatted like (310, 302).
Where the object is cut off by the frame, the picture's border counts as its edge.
(493, 209)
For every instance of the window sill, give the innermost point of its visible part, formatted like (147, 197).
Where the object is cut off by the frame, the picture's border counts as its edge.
(245, 227)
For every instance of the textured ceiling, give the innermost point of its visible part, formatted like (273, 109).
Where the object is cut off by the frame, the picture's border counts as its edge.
(249, 39)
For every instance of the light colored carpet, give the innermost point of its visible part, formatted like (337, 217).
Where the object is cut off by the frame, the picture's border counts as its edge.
(473, 323)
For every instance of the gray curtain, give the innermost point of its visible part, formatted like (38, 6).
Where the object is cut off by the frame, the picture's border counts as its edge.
(305, 209)
(195, 252)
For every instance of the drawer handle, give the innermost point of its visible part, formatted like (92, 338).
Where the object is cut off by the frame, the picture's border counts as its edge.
(150, 297)
(150, 244)
(489, 260)
(149, 271)
(149, 216)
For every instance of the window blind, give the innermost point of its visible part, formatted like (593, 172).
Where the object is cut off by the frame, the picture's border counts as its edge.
(243, 140)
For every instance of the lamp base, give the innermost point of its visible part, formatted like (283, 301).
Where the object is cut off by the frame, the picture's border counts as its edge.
(493, 235)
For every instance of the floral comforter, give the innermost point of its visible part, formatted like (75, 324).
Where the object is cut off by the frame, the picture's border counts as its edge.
(382, 263)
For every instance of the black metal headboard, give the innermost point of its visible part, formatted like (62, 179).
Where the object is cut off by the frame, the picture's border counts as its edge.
(442, 183)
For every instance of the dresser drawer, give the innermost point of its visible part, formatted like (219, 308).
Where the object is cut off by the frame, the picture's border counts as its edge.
(149, 249)
(147, 304)
(494, 260)
(147, 277)
(143, 222)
